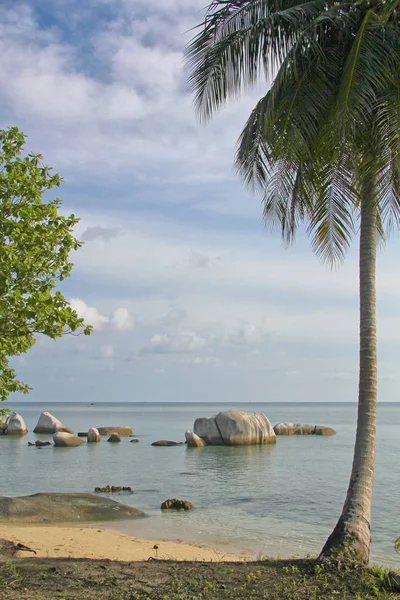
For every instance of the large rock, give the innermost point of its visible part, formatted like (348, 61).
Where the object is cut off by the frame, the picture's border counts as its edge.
(234, 427)
(62, 439)
(114, 437)
(121, 430)
(49, 424)
(193, 440)
(14, 425)
(93, 436)
(288, 428)
(63, 508)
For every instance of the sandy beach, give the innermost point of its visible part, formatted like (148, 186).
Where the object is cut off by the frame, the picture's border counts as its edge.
(100, 543)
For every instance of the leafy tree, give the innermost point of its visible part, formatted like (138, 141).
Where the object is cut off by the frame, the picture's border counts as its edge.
(35, 242)
(323, 147)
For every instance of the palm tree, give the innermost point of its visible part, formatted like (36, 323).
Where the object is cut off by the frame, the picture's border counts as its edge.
(323, 147)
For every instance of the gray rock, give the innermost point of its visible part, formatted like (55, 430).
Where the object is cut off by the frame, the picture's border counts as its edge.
(62, 439)
(93, 436)
(47, 423)
(235, 427)
(13, 425)
(114, 437)
(134, 441)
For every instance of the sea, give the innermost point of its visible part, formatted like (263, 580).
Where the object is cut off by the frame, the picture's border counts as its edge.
(277, 500)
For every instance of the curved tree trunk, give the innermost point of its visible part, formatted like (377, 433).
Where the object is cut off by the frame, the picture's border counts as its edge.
(350, 540)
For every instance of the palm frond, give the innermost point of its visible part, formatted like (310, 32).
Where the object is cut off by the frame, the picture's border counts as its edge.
(238, 41)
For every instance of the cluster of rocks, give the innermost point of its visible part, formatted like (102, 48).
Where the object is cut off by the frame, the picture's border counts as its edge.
(288, 428)
(235, 427)
(229, 428)
(175, 504)
(112, 489)
(63, 436)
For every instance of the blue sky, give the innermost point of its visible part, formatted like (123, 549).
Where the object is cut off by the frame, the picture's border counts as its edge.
(190, 296)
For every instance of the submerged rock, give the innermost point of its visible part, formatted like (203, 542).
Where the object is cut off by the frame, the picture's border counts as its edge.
(193, 440)
(13, 425)
(234, 427)
(114, 437)
(40, 444)
(134, 441)
(112, 489)
(175, 504)
(165, 443)
(288, 428)
(121, 430)
(62, 439)
(47, 423)
(93, 436)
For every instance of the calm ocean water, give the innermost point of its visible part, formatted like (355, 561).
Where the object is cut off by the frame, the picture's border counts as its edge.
(280, 499)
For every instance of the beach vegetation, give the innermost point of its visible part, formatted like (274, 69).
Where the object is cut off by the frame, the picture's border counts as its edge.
(36, 240)
(322, 147)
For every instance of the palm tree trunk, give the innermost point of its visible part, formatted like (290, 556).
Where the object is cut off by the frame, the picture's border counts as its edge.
(351, 538)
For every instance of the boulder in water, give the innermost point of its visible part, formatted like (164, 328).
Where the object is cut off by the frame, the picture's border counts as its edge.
(13, 425)
(193, 440)
(121, 430)
(175, 504)
(93, 436)
(323, 430)
(47, 423)
(234, 427)
(114, 437)
(62, 439)
(165, 443)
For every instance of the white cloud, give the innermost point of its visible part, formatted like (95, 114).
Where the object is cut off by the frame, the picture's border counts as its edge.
(90, 314)
(135, 119)
(164, 343)
(121, 320)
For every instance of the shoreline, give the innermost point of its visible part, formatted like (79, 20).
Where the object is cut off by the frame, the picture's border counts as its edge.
(99, 543)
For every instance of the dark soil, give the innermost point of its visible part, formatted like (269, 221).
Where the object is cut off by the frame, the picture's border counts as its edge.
(45, 579)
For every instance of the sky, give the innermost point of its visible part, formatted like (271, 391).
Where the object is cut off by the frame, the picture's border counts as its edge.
(190, 296)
